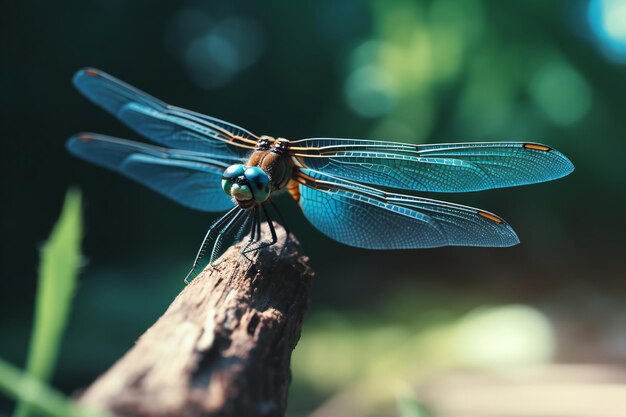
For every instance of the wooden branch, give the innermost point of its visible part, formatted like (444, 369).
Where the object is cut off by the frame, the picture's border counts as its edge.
(224, 345)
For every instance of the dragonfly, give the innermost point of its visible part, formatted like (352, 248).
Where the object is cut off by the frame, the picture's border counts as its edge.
(355, 191)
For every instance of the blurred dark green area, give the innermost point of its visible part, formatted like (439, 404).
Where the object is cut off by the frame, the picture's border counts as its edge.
(415, 71)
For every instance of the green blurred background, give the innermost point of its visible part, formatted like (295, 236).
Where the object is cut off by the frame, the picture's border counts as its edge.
(384, 327)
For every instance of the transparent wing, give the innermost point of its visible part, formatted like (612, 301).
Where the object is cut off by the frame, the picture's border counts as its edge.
(452, 167)
(167, 125)
(188, 178)
(368, 218)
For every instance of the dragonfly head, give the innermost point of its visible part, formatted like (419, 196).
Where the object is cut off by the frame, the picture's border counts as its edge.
(246, 184)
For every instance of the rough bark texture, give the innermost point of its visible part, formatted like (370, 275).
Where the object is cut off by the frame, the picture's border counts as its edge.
(224, 345)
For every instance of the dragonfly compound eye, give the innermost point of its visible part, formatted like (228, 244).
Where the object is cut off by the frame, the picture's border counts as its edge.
(230, 175)
(259, 183)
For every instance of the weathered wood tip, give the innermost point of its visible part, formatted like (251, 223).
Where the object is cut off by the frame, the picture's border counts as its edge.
(223, 347)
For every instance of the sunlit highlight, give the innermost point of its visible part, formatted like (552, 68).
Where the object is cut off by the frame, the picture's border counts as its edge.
(508, 336)
(608, 21)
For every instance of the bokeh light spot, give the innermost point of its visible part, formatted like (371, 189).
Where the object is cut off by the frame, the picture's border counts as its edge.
(367, 53)
(503, 337)
(211, 61)
(369, 91)
(561, 93)
(246, 36)
(608, 21)
(214, 51)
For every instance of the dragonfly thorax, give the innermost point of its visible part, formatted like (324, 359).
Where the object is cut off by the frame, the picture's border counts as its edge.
(272, 156)
(247, 185)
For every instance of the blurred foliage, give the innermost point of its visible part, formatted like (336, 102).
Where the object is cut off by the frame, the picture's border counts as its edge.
(410, 70)
(38, 396)
(379, 356)
(409, 407)
(58, 272)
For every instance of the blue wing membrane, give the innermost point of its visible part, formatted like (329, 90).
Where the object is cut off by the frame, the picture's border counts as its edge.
(188, 178)
(332, 172)
(167, 125)
(365, 217)
(452, 167)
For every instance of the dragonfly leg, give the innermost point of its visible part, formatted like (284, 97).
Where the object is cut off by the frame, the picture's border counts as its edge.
(246, 226)
(257, 213)
(202, 251)
(272, 231)
(253, 233)
(280, 216)
(217, 246)
(255, 219)
(282, 220)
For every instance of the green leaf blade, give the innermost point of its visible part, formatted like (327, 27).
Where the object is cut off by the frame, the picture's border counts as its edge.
(38, 397)
(58, 271)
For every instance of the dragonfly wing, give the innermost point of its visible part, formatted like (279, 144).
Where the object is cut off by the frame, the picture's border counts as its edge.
(180, 133)
(368, 218)
(167, 125)
(190, 179)
(455, 167)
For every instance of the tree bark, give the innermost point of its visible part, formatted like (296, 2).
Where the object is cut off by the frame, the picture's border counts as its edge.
(223, 347)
